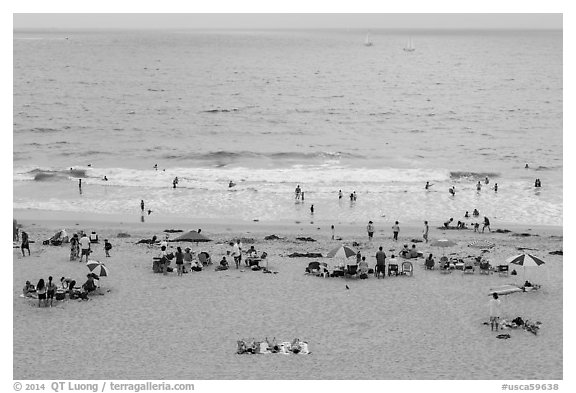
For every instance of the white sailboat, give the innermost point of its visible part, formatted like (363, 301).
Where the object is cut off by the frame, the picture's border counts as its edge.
(367, 40)
(409, 46)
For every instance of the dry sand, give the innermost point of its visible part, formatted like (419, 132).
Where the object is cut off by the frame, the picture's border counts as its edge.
(150, 326)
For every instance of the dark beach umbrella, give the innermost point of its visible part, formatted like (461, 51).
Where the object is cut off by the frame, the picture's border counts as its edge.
(191, 236)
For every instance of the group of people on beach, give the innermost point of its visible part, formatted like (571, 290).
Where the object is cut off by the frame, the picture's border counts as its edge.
(81, 245)
(45, 292)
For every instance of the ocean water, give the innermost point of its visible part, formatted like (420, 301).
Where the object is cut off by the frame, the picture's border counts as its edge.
(273, 109)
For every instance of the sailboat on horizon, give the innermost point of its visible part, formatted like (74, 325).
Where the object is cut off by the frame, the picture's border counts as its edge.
(367, 40)
(409, 46)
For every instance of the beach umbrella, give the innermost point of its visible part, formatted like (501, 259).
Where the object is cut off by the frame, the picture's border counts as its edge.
(341, 252)
(442, 243)
(191, 236)
(97, 268)
(482, 244)
(525, 260)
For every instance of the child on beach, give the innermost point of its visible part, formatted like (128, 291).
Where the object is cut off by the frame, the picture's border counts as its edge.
(494, 306)
(395, 230)
(107, 247)
(370, 229)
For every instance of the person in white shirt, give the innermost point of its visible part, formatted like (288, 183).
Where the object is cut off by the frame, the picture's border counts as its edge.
(236, 254)
(495, 306)
(85, 247)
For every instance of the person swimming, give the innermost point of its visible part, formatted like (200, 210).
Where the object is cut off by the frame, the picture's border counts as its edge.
(452, 191)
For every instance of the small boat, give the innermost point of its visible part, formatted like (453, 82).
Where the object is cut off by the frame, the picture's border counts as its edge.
(409, 46)
(367, 40)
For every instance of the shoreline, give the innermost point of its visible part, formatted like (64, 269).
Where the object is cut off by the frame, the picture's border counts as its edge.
(58, 219)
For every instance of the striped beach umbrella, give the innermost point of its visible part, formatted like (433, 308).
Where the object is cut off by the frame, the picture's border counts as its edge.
(482, 244)
(341, 252)
(525, 260)
(97, 268)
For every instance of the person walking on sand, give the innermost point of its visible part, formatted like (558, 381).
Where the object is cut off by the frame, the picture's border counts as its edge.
(107, 247)
(50, 290)
(425, 232)
(495, 308)
(85, 247)
(486, 224)
(370, 230)
(25, 244)
(395, 230)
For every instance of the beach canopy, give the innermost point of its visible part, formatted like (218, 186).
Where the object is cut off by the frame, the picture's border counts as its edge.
(97, 268)
(482, 244)
(442, 243)
(191, 236)
(341, 252)
(525, 260)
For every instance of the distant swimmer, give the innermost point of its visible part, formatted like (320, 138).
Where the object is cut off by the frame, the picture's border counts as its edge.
(175, 182)
(478, 186)
(452, 191)
(156, 166)
(354, 194)
(231, 184)
(495, 187)
(486, 181)
(90, 165)
(105, 178)
(526, 166)
(537, 183)
(149, 211)
(142, 205)
(427, 186)
(340, 194)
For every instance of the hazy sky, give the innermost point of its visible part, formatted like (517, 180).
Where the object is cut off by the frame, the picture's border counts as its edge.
(363, 21)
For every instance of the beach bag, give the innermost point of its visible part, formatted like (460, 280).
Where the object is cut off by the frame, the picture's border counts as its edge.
(60, 295)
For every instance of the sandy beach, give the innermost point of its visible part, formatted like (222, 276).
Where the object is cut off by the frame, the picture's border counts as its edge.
(151, 326)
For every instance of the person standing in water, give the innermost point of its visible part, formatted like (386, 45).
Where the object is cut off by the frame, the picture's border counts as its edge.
(486, 224)
(312, 209)
(395, 230)
(427, 186)
(340, 194)
(370, 230)
(478, 186)
(495, 187)
(175, 182)
(486, 181)
(142, 205)
(425, 232)
(333, 230)
(452, 191)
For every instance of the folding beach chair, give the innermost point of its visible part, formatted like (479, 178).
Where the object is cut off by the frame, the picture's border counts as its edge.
(407, 269)
(444, 266)
(468, 267)
(502, 270)
(392, 268)
(484, 267)
(313, 268)
(351, 271)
